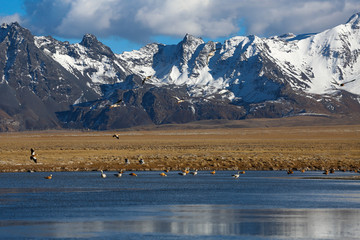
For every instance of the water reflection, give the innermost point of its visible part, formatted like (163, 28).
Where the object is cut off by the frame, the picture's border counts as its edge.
(211, 220)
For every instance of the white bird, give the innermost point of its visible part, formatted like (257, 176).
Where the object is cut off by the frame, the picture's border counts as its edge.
(194, 172)
(179, 100)
(237, 175)
(117, 104)
(103, 175)
(119, 174)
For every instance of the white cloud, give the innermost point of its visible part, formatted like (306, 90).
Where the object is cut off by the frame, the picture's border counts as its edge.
(140, 20)
(10, 18)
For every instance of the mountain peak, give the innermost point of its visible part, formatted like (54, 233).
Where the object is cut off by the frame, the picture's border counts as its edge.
(354, 21)
(191, 38)
(89, 40)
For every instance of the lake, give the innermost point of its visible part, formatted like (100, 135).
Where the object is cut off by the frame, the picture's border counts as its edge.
(258, 205)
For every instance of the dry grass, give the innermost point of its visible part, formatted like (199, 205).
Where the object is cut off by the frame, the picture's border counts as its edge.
(274, 148)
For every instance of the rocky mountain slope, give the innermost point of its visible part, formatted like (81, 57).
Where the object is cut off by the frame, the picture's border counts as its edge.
(46, 84)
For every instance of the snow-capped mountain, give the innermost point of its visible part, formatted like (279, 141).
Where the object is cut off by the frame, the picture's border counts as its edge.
(47, 83)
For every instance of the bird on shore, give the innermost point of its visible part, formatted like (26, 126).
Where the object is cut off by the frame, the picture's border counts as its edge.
(33, 155)
(48, 177)
(103, 175)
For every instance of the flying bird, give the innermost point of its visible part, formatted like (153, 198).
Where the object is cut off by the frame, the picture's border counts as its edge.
(343, 83)
(179, 100)
(116, 104)
(144, 79)
(210, 54)
(116, 136)
(33, 155)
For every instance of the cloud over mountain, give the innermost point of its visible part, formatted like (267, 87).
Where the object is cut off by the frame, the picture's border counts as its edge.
(141, 20)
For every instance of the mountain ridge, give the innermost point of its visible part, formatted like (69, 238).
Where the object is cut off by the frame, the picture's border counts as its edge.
(46, 83)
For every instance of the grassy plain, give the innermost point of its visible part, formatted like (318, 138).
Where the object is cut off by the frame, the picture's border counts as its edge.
(221, 148)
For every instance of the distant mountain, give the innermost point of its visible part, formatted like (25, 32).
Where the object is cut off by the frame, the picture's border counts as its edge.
(47, 84)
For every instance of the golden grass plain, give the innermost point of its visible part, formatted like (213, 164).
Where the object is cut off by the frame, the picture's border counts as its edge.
(259, 148)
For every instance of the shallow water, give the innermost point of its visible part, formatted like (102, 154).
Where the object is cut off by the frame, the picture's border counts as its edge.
(258, 205)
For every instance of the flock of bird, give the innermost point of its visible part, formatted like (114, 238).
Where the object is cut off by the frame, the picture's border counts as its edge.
(141, 161)
(163, 174)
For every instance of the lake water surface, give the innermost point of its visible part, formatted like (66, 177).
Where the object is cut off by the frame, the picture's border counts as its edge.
(258, 205)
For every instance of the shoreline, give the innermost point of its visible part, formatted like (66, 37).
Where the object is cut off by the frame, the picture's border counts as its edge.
(263, 149)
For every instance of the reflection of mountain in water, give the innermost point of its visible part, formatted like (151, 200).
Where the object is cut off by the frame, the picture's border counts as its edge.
(225, 220)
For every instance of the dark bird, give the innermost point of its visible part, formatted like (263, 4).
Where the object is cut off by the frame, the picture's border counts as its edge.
(343, 83)
(33, 155)
(144, 79)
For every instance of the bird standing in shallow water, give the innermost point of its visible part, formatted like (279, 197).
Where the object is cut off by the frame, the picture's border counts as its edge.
(237, 175)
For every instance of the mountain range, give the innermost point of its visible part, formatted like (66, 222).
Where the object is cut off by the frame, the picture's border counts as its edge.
(50, 84)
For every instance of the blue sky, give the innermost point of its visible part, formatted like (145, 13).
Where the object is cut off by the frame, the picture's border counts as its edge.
(125, 25)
